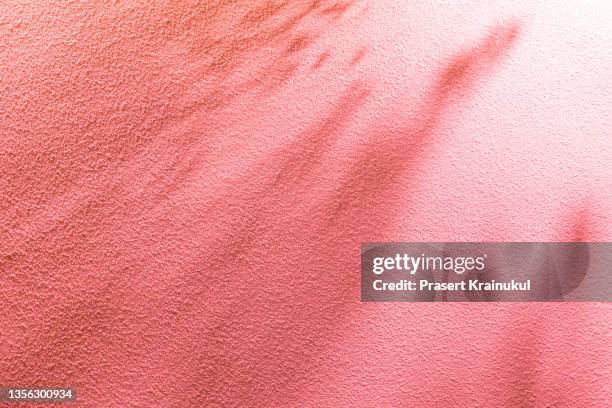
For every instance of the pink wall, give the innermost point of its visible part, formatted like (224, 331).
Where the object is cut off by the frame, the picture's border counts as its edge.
(185, 188)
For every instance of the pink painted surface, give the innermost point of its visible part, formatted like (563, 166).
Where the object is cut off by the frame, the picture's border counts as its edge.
(185, 188)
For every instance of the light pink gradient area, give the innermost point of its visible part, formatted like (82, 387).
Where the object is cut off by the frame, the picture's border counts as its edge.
(185, 186)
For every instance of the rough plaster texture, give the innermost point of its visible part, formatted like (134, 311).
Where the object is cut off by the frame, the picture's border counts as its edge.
(185, 185)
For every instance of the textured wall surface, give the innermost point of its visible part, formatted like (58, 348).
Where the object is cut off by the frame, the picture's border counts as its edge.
(185, 186)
